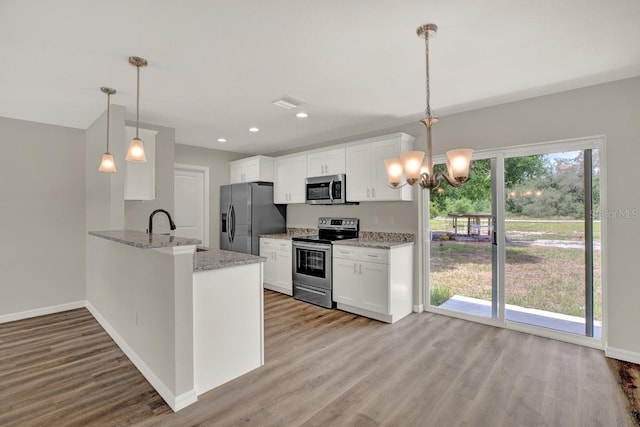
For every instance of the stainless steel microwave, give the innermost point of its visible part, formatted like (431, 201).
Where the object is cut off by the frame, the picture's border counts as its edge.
(326, 190)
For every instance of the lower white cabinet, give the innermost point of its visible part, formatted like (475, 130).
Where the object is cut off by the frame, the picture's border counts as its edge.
(376, 283)
(277, 270)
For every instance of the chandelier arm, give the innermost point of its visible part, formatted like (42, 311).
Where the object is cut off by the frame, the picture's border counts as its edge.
(452, 182)
(397, 186)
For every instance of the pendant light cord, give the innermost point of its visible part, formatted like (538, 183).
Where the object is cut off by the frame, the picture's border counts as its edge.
(138, 103)
(108, 117)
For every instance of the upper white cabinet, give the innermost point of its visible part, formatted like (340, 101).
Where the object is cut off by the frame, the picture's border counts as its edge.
(251, 169)
(289, 183)
(376, 283)
(366, 172)
(328, 162)
(140, 178)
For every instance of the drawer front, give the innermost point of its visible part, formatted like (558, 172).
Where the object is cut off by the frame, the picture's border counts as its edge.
(379, 256)
(283, 245)
(267, 243)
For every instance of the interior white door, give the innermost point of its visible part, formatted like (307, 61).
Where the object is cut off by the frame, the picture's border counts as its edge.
(191, 202)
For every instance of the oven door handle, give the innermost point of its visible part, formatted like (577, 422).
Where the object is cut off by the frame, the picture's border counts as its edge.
(310, 290)
(315, 246)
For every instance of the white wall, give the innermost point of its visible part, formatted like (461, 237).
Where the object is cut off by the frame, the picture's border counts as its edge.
(218, 164)
(42, 216)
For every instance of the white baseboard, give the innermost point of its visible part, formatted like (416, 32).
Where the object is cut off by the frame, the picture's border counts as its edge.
(41, 311)
(620, 354)
(418, 308)
(276, 288)
(175, 402)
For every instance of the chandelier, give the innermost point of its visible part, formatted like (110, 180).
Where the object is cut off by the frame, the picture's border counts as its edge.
(413, 164)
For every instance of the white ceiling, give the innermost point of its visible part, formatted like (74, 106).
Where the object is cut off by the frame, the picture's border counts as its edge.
(216, 66)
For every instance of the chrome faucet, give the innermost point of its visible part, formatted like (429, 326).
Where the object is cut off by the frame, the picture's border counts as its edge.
(172, 225)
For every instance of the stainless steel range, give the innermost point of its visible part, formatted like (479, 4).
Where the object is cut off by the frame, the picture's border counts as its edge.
(312, 276)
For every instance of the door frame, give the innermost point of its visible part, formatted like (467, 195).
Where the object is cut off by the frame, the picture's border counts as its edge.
(594, 142)
(206, 196)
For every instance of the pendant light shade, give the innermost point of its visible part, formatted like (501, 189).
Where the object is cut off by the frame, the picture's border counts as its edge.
(106, 162)
(136, 151)
(136, 147)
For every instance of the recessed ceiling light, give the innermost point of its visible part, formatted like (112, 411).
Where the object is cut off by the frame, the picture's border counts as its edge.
(222, 140)
(302, 115)
(254, 129)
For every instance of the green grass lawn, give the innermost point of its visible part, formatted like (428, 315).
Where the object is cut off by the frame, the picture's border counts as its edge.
(546, 278)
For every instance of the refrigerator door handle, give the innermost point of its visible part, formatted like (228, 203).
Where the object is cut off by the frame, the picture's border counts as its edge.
(233, 224)
(229, 224)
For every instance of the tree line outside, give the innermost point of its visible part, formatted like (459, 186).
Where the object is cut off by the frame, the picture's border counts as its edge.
(538, 186)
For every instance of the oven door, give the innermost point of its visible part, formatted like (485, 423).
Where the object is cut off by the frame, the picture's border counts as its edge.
(312, 264)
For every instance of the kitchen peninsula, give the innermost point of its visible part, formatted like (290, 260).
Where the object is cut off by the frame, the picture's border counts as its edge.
(189, 319)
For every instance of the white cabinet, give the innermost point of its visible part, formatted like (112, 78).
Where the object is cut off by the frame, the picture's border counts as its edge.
(251, 169)
(326, 162)
(376, 283)
(277, 270)
(366, 172)
(289, 183)
(140, 178)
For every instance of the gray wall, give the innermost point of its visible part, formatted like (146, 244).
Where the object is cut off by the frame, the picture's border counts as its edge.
(42, 192)
(610, 109)
(104, 192)
(136, 212)
(218, 164)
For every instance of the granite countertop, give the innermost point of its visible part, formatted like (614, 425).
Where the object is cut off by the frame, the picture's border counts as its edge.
(291, 232)
(140, 239)
(211, 259)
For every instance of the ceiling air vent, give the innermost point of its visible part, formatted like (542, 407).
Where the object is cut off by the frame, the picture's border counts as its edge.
(287, 102)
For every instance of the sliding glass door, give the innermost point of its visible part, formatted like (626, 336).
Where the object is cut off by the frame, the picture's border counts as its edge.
(519, 242)
(552, 274)
(463, 256)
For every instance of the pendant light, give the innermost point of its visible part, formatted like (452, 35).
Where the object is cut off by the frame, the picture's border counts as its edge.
(136, 147)
(106, 162)
(411, 162)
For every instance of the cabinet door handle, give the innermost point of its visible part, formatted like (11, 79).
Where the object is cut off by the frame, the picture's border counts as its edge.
(368, 192)
(360, 268)
(354, 268)
(373, 193)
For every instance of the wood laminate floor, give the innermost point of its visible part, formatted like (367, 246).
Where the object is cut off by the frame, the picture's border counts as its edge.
(322, 368)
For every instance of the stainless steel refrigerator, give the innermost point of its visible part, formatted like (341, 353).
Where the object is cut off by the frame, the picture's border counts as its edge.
(246, 212)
